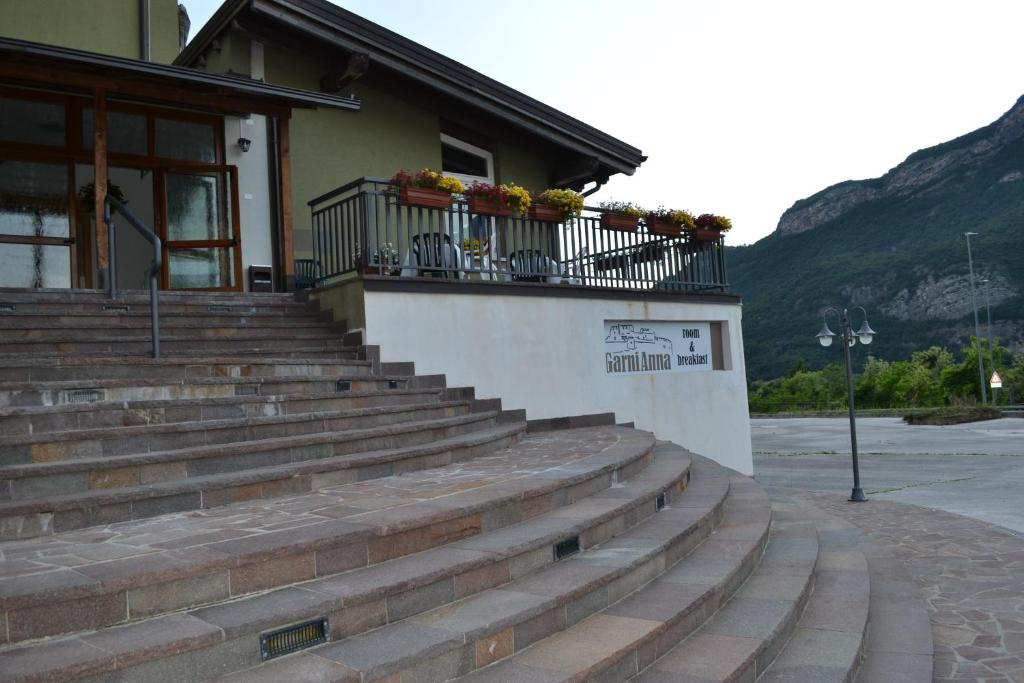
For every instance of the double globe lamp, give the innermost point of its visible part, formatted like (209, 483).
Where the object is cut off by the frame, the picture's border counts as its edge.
(865, 334)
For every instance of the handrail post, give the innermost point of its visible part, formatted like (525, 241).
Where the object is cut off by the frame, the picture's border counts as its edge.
(111, 252)
(154, 315)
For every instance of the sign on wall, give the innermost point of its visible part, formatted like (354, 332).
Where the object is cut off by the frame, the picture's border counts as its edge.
(641, 347)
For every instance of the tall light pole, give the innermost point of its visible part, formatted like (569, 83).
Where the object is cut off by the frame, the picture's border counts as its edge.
(988, 335)
(866, 335)
(977, 332)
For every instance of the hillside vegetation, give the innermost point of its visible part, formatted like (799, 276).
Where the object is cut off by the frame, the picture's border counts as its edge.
(896, 247)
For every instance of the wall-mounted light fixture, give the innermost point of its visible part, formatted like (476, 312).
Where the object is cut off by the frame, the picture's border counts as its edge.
(243, 142)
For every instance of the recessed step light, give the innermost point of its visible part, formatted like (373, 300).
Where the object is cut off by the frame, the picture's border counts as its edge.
(293, 638)
(396, 384)
(659, 502)
(247, 390)
(343, 385)
(119, 308)
(83, 395)
(218, 308)
(564, 549)
(8, 308)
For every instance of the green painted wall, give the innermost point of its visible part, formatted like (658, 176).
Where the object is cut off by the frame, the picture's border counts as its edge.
(522, 164)
(235, 54)
(105, 26)
(330, 147)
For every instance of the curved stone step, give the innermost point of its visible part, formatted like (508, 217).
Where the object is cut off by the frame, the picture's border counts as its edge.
(139, 330)
(74, 416)
(69, 450)
(616, 642)
(258, 342)
(827, 644)
(447, 640)
(367, 524)
(258, 469)
(65, 392)
(745, 635)
(138, 319)
(35, 369)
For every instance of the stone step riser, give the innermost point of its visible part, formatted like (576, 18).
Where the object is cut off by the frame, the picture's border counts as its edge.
(126, 507)
(267, 386)
(142, 345)
(181, 371)
(98, 416)
(351, 620)
(168, 321)
(141, 298)
(186, 465)
(124, 334)
(399, 601)
(61, 447)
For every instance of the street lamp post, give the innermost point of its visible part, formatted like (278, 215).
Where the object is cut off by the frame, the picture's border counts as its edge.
(977, 333)
(988, 335)
(865, 334)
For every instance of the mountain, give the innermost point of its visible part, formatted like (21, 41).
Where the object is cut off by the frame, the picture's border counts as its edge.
(895, 246)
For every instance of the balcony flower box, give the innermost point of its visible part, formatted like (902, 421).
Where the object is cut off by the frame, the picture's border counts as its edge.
(546, 213)
(420, 196)
(664, 228)
(705, 234)
(619, 222)
(709, 227)
(487, 207)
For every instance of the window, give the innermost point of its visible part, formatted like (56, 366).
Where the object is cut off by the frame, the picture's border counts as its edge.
(465, 161)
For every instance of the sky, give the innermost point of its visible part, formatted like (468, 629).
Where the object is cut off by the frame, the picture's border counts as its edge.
(742, 106)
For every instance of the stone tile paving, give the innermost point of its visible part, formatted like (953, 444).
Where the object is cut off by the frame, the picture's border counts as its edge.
(528, 458)
(971, 575)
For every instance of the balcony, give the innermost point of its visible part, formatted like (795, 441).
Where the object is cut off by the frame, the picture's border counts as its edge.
(362, 228)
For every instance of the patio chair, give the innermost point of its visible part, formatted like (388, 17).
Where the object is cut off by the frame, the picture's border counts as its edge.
(434, 255)
(307, 272)
(531, 265)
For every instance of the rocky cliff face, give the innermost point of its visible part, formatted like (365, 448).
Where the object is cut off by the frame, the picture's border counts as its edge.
(923, 172)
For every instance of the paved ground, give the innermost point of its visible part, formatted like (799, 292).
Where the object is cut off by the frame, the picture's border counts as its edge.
(974, 469)
(970, 572)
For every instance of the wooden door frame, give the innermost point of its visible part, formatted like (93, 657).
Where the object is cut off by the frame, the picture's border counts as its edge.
(160, 213)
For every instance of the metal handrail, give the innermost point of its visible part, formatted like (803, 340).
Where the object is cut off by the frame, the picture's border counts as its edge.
(110, 205)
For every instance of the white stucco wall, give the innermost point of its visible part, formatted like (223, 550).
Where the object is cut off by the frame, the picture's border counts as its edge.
(546, 354)
(253, 189)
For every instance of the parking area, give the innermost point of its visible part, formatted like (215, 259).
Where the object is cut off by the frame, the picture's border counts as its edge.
(974, 469)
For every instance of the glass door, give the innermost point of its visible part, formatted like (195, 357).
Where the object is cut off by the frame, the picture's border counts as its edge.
(36, 230)
(199, 224)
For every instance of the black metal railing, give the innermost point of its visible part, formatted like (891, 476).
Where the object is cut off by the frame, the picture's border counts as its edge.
(109, 207)
(362, 227)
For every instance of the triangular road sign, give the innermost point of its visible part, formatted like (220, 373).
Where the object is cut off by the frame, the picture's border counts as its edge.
(996, 382)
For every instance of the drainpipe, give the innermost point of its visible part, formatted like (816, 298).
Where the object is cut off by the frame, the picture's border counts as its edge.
(276, 219)
(144, 30)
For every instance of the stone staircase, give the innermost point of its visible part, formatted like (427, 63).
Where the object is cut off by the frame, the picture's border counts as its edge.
(266, 504)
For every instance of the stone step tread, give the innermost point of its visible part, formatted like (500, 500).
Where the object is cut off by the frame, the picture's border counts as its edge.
(540, 599)
(58, 467)
(615, 642)
(258, 335)
(899, 638)
(143, 361)
(212, 424)
(14, 294)
(534, 467)
(172, 321)
(828, 640)
(746, 634)
(167, 403)
(57, 385)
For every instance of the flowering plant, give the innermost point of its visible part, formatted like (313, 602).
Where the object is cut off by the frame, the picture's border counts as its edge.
(625, 208)
(428, 180)
(569, 203)
(684, 219)
(517, 197)
(709, 221)
(513, 196)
